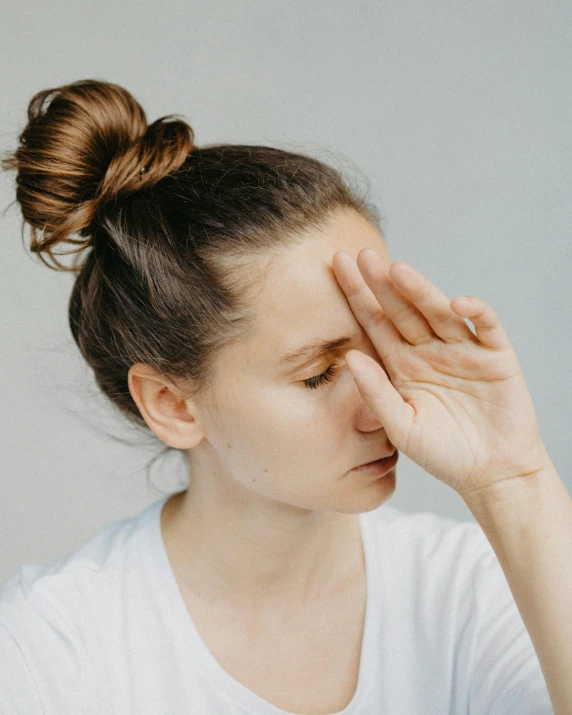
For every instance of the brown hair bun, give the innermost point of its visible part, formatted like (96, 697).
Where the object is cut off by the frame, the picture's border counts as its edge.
(84, 144)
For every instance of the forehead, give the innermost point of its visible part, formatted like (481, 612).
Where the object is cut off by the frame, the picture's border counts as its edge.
(300, 300)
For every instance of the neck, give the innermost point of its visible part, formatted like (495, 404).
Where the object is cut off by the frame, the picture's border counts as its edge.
(259, 556)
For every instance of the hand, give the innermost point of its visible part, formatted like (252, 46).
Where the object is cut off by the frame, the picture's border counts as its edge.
(454, 402)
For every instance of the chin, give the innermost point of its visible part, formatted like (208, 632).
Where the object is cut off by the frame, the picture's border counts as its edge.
(371, 495)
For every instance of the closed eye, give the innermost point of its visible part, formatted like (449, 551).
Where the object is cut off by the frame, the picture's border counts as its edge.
(326, 376)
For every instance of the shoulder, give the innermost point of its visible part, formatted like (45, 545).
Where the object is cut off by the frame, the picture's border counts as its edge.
(52, 616)
(427, 534)
(49, 605)
(43, 585)
(431, 556)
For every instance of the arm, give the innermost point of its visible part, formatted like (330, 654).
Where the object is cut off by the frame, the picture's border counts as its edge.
(528, 522)
(457, 404)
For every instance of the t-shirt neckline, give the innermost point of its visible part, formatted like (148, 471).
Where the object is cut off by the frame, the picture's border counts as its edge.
(175, 612)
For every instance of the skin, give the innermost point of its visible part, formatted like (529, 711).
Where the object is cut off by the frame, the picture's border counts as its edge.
(452, 400)
(269, 523)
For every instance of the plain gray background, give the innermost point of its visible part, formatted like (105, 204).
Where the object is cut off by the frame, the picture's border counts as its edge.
(458, 113)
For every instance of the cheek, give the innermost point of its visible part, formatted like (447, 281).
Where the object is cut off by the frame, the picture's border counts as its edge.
(289, 423)
(328, 417)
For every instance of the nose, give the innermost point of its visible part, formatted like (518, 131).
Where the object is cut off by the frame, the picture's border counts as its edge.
(366, 420)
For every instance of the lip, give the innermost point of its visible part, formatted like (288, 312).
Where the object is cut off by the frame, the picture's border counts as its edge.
(379, 467)
(383, 456)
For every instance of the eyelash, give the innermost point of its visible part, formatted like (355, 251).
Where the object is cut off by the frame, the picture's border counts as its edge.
(326, 376)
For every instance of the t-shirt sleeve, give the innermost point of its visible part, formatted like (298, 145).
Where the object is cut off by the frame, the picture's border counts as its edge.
(505, 678)
(18, 692)
(40, 663)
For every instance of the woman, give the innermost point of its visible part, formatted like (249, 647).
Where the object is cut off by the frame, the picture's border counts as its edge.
(239, 301)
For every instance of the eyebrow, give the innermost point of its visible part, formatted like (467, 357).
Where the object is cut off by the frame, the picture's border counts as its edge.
(317, 347)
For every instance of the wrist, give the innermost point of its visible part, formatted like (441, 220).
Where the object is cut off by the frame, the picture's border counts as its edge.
(535, 470)
(520, 495)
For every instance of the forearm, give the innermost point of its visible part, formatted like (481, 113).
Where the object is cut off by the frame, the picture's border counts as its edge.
(528, 522)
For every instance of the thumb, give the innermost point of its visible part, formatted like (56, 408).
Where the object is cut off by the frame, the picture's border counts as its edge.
(381, 396)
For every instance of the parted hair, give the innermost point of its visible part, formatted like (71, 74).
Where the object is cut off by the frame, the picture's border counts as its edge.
(168, 238)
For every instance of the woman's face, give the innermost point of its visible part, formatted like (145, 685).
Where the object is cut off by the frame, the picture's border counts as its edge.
(275, 437)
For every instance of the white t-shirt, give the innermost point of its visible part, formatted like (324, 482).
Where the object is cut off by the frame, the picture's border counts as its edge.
(105, 630)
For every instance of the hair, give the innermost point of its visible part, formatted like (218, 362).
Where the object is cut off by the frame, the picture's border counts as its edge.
(168, 237)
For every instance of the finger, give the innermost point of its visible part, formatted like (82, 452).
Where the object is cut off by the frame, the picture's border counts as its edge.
(431, 302)
(367, 309)
(396, 415)
(375, 274)
(488, 327)
(383, 334)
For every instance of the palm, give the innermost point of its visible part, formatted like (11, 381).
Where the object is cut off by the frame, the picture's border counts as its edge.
(455, 403)
(467, 407)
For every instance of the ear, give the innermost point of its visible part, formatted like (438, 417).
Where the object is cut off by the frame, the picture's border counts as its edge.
(163, 406)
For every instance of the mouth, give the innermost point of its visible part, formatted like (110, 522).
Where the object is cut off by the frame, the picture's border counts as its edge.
(379, 467)
(379, 459)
